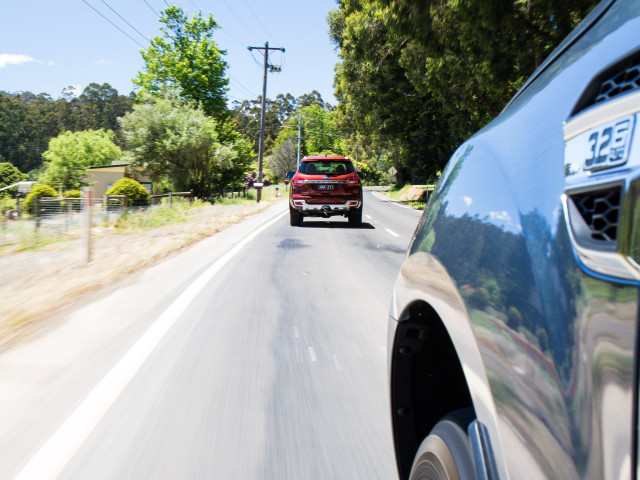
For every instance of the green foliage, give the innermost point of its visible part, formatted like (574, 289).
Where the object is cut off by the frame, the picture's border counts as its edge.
(29, 121)
(71, 153)
(38, 191)
(186, 57)
(279, 123)
(136, 193)
(419, 76)
(372, 176)
(171, 139)
(473, 56)
(8, 176)
(75, 204)
(72, 194)
(6, 203)
(319, 132)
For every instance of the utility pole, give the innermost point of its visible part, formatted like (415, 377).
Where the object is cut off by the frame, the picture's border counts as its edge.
(266, 49)
(299, 135)
(300, 117)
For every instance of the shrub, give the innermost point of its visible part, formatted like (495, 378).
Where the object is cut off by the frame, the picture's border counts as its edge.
(72, 194)
(6, 204)
(76, 206)
(136, 193)
(38, 191)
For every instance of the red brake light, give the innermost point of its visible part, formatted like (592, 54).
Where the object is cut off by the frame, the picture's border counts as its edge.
(354, 180)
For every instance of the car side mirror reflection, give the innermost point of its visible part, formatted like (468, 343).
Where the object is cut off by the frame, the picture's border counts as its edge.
(290, 174)
(361, 174)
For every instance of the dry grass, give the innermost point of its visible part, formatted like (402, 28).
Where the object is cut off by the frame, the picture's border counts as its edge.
(37, 283)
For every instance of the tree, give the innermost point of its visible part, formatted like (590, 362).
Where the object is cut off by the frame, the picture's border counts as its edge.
(8, 176)
(278, 116)
(473, 56)
(376, 99)
(283, 159)
(321, 135)
(186, 57)
(29, 121)
(171, 138)
(417, 77)
(71, 153)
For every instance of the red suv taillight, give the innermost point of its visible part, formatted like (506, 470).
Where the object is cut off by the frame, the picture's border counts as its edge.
(354, 180)
(298, 182)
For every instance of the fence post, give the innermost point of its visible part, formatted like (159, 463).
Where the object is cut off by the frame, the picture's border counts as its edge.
(38, 213)
(87, 205)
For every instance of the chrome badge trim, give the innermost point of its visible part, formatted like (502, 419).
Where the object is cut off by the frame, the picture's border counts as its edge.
(609, 130)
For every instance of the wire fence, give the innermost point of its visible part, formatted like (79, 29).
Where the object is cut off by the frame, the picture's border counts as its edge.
(67, 216)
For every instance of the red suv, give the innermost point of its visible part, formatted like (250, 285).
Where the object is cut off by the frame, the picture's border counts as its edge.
(324, 187)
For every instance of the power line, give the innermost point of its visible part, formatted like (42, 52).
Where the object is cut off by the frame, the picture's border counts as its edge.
(122, 31)
(238, 17)
(231, 36)
(258, 20)
(242, 86)
(147, 3)
(121, 18)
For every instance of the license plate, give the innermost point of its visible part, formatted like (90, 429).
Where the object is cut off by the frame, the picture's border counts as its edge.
(325, 187)
(607, 145)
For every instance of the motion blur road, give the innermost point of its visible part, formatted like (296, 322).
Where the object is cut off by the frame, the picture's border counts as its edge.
(257, 353)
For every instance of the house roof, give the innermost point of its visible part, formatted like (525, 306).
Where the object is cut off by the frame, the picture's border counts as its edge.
(109, 166)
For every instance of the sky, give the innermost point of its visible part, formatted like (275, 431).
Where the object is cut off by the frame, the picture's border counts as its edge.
(46, 46)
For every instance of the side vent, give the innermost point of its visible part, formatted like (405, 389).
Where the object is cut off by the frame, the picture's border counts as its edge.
(599, 211)
(622, 77)
(625, 81)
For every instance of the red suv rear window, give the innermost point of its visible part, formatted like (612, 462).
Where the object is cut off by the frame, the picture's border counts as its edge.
(320, 167)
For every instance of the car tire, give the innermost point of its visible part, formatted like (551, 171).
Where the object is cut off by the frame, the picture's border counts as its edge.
(446, 453)
(295, 217)
(355, 217)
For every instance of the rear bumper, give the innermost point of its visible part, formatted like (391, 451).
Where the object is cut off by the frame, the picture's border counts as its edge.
(325, 209)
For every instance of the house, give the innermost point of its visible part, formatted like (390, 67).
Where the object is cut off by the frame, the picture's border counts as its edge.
(103, 177)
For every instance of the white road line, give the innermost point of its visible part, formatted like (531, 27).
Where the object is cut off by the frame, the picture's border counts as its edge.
(296, 332)
(399, 204)
(368, 217)
(357, 350)
(383, 349)
(312, 354)
(58, 450)
(391, 232)
(335, 360)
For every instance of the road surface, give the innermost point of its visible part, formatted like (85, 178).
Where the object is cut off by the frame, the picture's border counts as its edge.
(258, 353)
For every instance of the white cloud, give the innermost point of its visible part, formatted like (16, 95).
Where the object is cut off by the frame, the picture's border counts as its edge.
(102, 61)
(14, 59)
(467, 200)
(503, 216)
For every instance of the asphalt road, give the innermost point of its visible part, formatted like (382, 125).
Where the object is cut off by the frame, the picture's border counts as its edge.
(257, 353)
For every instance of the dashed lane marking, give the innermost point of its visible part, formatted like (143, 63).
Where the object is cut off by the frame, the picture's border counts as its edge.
(312, 354)
(335, 360)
